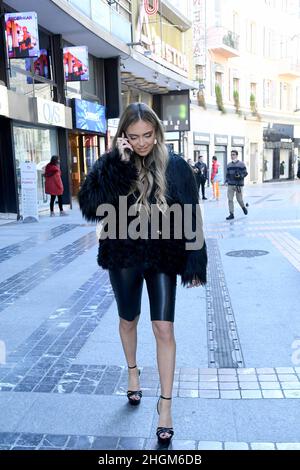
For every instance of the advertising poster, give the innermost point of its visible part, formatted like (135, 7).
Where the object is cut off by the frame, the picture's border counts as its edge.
(90, 116)
(76, 60)
(29, 203)
(39, 66)
(21, 32)
(176, 111)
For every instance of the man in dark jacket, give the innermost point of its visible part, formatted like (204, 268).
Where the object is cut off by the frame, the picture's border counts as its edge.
(201, 175)
(236, 172)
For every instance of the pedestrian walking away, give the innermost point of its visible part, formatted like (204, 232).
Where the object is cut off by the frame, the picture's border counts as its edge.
(54, 185)
(140, 170)
(201, 176)
(235, 175)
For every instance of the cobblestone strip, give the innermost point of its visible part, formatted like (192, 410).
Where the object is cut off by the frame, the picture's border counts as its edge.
(224, 348)
(21, 283)
(27, 441)
(60, 375)
(17, 248)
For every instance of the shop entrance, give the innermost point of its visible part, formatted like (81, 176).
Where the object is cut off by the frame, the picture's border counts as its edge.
(85, 150)
(221, 154)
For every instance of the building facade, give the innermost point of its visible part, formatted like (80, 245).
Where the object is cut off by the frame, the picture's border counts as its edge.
(134, 54)
(247, 63)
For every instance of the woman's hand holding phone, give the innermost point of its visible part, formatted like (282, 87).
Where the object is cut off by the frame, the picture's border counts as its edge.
(124, 147)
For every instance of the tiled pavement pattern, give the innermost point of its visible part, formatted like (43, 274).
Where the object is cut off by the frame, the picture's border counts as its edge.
(288, 245)
(14, 287)
(42, 362)
(45, 361)
(57, 375)
(224, 348)
(236, 228)
(27, 441)
(17, 248)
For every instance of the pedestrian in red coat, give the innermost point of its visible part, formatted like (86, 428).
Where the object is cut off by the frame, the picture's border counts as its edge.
(54, 185)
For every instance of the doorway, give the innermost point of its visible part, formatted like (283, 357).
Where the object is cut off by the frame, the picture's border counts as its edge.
(221, 154)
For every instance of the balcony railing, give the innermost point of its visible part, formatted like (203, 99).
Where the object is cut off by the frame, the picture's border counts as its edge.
(223, 41)
(289, 68)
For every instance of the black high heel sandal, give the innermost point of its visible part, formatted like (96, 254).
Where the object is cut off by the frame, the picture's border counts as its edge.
(134, 393)
(163, 430)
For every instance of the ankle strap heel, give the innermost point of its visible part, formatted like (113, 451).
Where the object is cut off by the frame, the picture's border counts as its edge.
(134, 396)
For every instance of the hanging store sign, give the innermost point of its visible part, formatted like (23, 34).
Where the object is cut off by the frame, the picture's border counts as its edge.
(4, 110)
(76, 63)
(21, 33)
(89, 116)
(151, 10)
(29, 199)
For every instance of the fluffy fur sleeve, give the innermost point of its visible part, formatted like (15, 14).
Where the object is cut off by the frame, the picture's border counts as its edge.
(108, 179)
(186, 189)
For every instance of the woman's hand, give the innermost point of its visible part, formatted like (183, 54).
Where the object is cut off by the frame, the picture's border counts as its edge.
(123, 144)
(194, 283)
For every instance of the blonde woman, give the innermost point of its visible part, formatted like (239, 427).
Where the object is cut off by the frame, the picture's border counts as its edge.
(140, 169)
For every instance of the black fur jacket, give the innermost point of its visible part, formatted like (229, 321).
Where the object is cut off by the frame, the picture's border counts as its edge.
(110, 178)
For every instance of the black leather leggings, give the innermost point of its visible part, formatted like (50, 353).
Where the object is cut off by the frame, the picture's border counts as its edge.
(127, 284)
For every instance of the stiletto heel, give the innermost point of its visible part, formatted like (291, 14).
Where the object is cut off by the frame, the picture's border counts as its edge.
(134, 393)
(163, 430)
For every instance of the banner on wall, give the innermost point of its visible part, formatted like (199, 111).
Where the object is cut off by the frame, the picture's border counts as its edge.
(29, 200)
(76, 60)
(22, 37)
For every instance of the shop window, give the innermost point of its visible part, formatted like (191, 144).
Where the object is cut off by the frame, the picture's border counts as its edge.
(33, 76)
(35, 145)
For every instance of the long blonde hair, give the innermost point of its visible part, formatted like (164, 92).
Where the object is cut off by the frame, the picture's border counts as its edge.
(152, 168)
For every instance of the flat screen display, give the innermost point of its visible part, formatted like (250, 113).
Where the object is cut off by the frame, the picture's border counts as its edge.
(76, 63)
(21, 32)
(176, 111)
(39, 66)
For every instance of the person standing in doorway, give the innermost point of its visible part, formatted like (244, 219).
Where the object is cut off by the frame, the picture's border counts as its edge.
(235, 175)
(201, 176)
(140, 169)
(54, 185)
(215, 178)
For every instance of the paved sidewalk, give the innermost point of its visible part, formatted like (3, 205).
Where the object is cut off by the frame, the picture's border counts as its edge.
(237, 384)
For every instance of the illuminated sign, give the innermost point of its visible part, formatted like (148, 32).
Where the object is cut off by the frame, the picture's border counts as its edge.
(76, 62)
(175, 109)
(89, 116)
(21, 32)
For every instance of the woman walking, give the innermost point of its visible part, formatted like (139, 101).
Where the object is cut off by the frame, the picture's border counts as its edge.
(54, 185)
(140, 170)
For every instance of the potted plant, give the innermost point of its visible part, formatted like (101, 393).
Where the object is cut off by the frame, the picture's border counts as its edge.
(219, 98)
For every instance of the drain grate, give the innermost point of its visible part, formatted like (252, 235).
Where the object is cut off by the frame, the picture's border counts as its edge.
(224, 348)
(247, 253)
